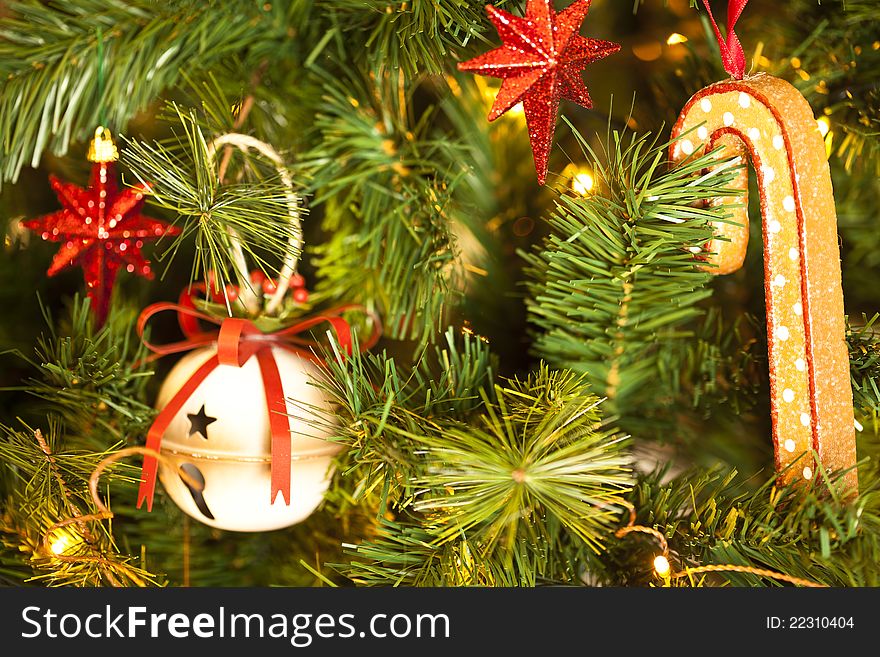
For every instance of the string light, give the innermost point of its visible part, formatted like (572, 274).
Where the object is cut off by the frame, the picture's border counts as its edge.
(661, 565)
(60, 544)
(676, 38)
(582, 183)
(663, 568)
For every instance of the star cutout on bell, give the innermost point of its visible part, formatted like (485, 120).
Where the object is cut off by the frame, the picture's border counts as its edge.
(198, 422)
(540, 63)
(100, 227)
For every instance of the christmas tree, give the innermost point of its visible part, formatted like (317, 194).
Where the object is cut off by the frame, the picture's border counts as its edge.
(311, 319)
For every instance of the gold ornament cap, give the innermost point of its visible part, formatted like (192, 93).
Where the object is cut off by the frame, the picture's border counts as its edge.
(102, 148)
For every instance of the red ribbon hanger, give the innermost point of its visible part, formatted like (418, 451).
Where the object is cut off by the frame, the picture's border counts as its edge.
(732, 55)
(239, 340)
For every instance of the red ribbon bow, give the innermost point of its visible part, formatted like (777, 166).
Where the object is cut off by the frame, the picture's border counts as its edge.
(238, 340)
(732, 55)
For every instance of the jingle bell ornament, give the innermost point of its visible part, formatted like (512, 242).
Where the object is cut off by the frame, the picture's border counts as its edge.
(240, 440)
(221, 440)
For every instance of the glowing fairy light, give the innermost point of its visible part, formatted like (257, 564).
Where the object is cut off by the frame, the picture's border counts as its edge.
(676, 38)
(661, 565)
(60, 544)
(582, 183)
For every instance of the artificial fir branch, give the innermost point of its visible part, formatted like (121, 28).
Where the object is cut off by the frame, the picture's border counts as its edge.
(92, 380)
(836, 67)
(415, 36)
(51, 486)
(183, 177)
(403, 175)
(386, 181)
(617, 276)
(864, 361)
(709, 518)
(49, 80)
(504, 468)
(539, 451)
(720, 366)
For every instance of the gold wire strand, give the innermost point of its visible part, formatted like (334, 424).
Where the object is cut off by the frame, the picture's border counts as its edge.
(761, 572)
(631, 527)
(103, 512)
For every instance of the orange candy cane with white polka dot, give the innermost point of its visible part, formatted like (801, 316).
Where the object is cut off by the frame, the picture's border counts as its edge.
(768, 121)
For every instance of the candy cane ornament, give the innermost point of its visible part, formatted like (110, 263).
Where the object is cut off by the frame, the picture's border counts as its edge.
(769, 121)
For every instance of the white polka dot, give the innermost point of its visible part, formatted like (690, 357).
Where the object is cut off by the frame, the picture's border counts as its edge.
(788, 395)
(769, 174)
(706, 104)
(774, 226)
(754, 134)
(779, 281)
(702, 132)
(808, 474)
(788, 203)
(687, 146)
(778, 142)
(782, 333)
(798, 309)
(744, 100)
(793, 253)
(789, 445)
(728, 119)
(800, 364)
(805, 419)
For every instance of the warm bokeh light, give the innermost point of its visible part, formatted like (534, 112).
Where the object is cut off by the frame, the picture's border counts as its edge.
(661, 565)
(582, 183)
(60, 544)
(824, 125)
(676, 38)
(649, 51)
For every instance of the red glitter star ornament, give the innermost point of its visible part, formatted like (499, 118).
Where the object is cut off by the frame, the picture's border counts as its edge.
(540, 62)
(101, 228)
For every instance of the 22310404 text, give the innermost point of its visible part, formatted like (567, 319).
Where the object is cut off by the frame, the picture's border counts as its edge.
(810, 623)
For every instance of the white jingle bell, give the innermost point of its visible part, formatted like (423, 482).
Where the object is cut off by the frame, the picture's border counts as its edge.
(221, 440)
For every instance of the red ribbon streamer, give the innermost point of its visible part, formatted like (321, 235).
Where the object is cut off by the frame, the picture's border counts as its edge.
(238, 340)
(732, 55)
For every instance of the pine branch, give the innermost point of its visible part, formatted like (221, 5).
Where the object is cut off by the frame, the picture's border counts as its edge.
(710, 519)
(864, 363)
(835, 63)
(51, 485)
(539, 451)
(722, 365)
(183, 178)
(87, 377)
(505, 469)
(617, 275)
(406, 555)
(50, 91)
(826, 49)
(386, 182)
(414, 36)
(382, 405)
